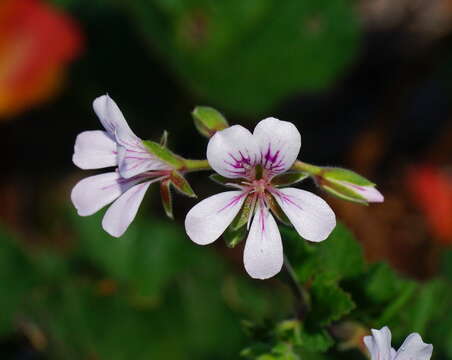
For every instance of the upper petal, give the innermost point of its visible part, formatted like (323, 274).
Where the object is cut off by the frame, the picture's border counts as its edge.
(207, 220)
(311, 216)
(232, 152)
(93, 193)
(263, 254)
(279, 144)
(413, 348)
(94, 150)
(122, 212)
(109, 114)
(379, 344)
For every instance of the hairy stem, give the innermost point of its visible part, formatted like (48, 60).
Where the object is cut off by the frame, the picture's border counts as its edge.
(305, 167)
(301, 296)
(196, 165)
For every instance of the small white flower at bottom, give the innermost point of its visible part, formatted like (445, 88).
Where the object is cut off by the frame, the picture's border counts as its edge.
(413, 348)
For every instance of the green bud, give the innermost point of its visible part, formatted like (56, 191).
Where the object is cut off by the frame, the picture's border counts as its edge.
(208, 120)
(348, 185)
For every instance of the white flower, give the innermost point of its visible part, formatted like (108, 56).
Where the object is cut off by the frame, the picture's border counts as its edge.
(252, 161)
(116, 146)
(413, 348)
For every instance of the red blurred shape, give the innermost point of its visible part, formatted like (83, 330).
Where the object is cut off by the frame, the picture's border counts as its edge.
(36, 42)
(432, 190)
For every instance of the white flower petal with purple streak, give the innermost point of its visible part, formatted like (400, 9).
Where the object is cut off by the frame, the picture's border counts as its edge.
(208, 219)
(263, 254)
(94, 150)
(93, 193)
(370, 193)
(122, 212)
(232, 152)
(311, 216)
(379, 344)
(134, 162)
(279, 144)
(413, 348)
(109, 115)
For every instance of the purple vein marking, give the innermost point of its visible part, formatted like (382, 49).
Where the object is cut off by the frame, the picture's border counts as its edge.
(233, 202)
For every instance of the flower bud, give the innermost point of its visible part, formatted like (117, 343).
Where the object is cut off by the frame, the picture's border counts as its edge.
(208, 120)
(348, 185)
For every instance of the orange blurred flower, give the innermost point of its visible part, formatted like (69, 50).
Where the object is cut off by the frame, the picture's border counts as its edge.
(432, 190)
(36, 42)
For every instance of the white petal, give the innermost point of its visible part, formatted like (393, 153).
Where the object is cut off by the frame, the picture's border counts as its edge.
(122, 212)
(109, 114)
(370, 193)
(94, 150)
(134, 162)
(263, 255)
(379, 344)
(311, 216)
(207, 220)
(232, 152)
(93, 193)
(413, 348)
(279, 144)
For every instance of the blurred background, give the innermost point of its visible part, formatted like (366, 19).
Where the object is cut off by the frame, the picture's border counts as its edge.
(367, 82)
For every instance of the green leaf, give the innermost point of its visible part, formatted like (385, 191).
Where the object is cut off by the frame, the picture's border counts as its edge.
(244, 214)
(235, 53)
(289, 178)
(164, 154)
(315, 341)
(329, 302)
(181, 184)
(208, 120)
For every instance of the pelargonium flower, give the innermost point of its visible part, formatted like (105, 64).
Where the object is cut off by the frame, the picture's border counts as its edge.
(413, 348)
(255, 164)
(136, 169)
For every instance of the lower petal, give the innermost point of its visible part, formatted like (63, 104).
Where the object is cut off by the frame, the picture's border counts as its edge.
(122, 212)
(207, 220)
(413, 348)
(93, 193)
(94, 150)
(311, 216)
(263, 255)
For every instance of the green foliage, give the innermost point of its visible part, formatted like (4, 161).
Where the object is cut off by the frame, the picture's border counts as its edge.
(246, 56)
(341, 289)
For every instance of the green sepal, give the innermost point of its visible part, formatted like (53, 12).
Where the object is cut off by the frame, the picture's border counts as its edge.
(208, 120)
(225, 181)
(289, 178)
(242, 217)
(343, 192)
(164, 138)
(340, 174)
(233, 237)
(276, 210)
(181, 184)
(167, 200)
(164, 154)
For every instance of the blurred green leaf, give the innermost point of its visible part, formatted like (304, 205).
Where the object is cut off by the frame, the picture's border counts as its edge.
(247, 56)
